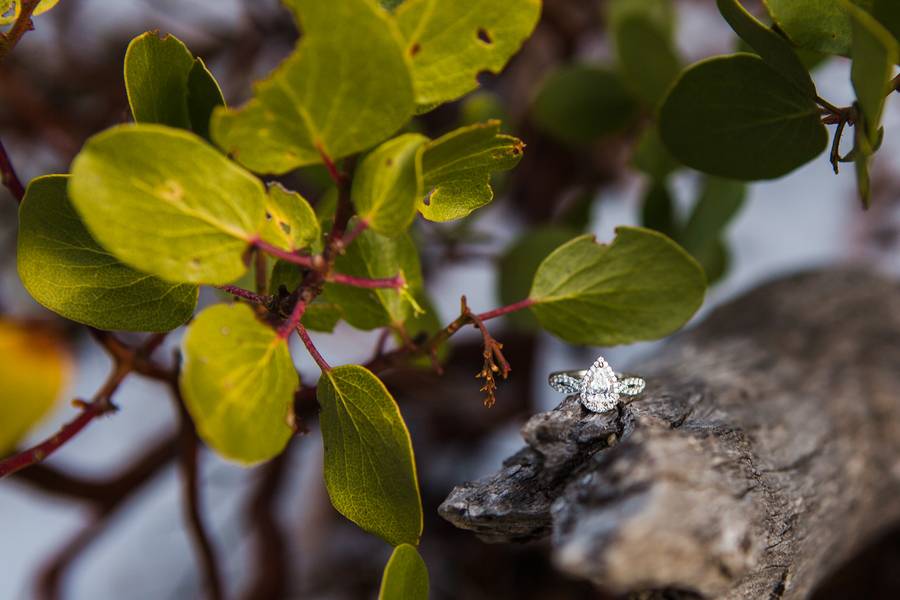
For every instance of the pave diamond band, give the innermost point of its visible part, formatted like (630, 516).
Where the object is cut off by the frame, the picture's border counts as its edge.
(599, 387)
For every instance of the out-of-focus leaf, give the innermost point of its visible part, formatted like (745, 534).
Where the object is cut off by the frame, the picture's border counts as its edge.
(702, 236)
(874, 53)
(652, 157)
(405, 576)
(658, 211)
(660, 12)
(33, 374)
(578, 104)
(648, 59)
(887, 12)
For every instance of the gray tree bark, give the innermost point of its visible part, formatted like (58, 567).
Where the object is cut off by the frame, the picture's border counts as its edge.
(764, 452)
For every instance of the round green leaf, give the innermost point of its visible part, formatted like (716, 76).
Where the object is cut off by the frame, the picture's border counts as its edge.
(736, 117)
(238, 383)
(405, 576)
(450, 43)
(370, 471)
(165, 202)
(346, 87)
(388, 185)
(457, 169)
(578, 104)
(33, 375)
(64, 269)
(643, 286)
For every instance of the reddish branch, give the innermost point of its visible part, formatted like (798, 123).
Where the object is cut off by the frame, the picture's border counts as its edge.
(311, 348)
(394, 282)
(10, 178)
(245, 294)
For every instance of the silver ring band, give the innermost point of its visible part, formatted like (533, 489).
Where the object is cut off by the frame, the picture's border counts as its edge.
(599, 387)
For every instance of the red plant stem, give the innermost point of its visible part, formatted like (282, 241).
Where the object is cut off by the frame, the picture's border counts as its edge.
(361, 226)
(245, 294)
(293, 321)
(336, 176)
(37, 453)
(311, 348)
(394, 282)
(10, 178)
(505, 310)
(303, 261)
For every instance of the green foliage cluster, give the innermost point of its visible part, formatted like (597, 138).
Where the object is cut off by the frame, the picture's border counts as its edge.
(154, 209)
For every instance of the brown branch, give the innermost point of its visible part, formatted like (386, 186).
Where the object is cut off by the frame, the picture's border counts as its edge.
(9, 177)
(271, 572)
(22, 24)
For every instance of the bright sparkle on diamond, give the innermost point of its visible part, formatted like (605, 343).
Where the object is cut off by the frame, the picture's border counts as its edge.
(599, 388)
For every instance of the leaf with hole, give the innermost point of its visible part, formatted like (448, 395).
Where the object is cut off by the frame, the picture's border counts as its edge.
(388, 184)
(457, 169)
(167, 85)
(405, 576)
(370, 471)
(238, 383)
(131, 187)
(577, 104)
(736, 117)
(346, 87)
(450, 43)
(36, 369)
(376, 256)
(64, 269)
(642, 286)
(291, 223)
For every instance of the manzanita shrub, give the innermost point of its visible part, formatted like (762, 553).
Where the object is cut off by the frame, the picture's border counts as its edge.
(183, 197)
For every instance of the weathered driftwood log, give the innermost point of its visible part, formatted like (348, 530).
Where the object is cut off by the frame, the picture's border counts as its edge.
(764, 452)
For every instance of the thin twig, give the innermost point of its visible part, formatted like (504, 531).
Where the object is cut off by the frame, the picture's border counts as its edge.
(245, 294)
(291, 257)
(10, 178)
(395, 282)
(311, 348)
(23, 24)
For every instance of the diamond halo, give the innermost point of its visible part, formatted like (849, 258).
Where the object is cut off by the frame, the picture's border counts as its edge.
(600, 387)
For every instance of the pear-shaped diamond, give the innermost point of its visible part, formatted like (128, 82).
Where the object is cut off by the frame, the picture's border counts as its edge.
(600, 387)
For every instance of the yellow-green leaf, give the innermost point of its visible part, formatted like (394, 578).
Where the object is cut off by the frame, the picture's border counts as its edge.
(388, 185)
(346, 87)
(6, 19)
(63, 268)
(643, 286)
(821, 25)
(238, 383)
(291, 222)
(457, 169)
(450, 43)
(405, 576)
(33, 374)
(370, 471)
(165, 202)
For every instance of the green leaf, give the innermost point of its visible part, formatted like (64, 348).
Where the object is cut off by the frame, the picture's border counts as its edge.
(405, 576)
(643, 286)
(457, 169)
(578, 104)
(518, 265)
(658, 211)
(450, 43)
(345, 88)
(771, 46)
(820, 25)
(736, 117)
(167, 85)
(291, 223)
(6, 19)
(370, 471)
(874, 53)
(64, 269)
(163, 201)
(375, 256)
(652, 157)
(238, 383)
(718, 204)
(388, 185)
(659, 12)
(648, 58)
(35, 371)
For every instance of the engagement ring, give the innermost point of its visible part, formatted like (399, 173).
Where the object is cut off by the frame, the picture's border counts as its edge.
(599, 387)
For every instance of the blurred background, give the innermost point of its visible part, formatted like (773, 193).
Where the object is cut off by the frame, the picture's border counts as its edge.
(72, 529)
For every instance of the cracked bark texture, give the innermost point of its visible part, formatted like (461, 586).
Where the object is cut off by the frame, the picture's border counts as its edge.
(764, 452)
